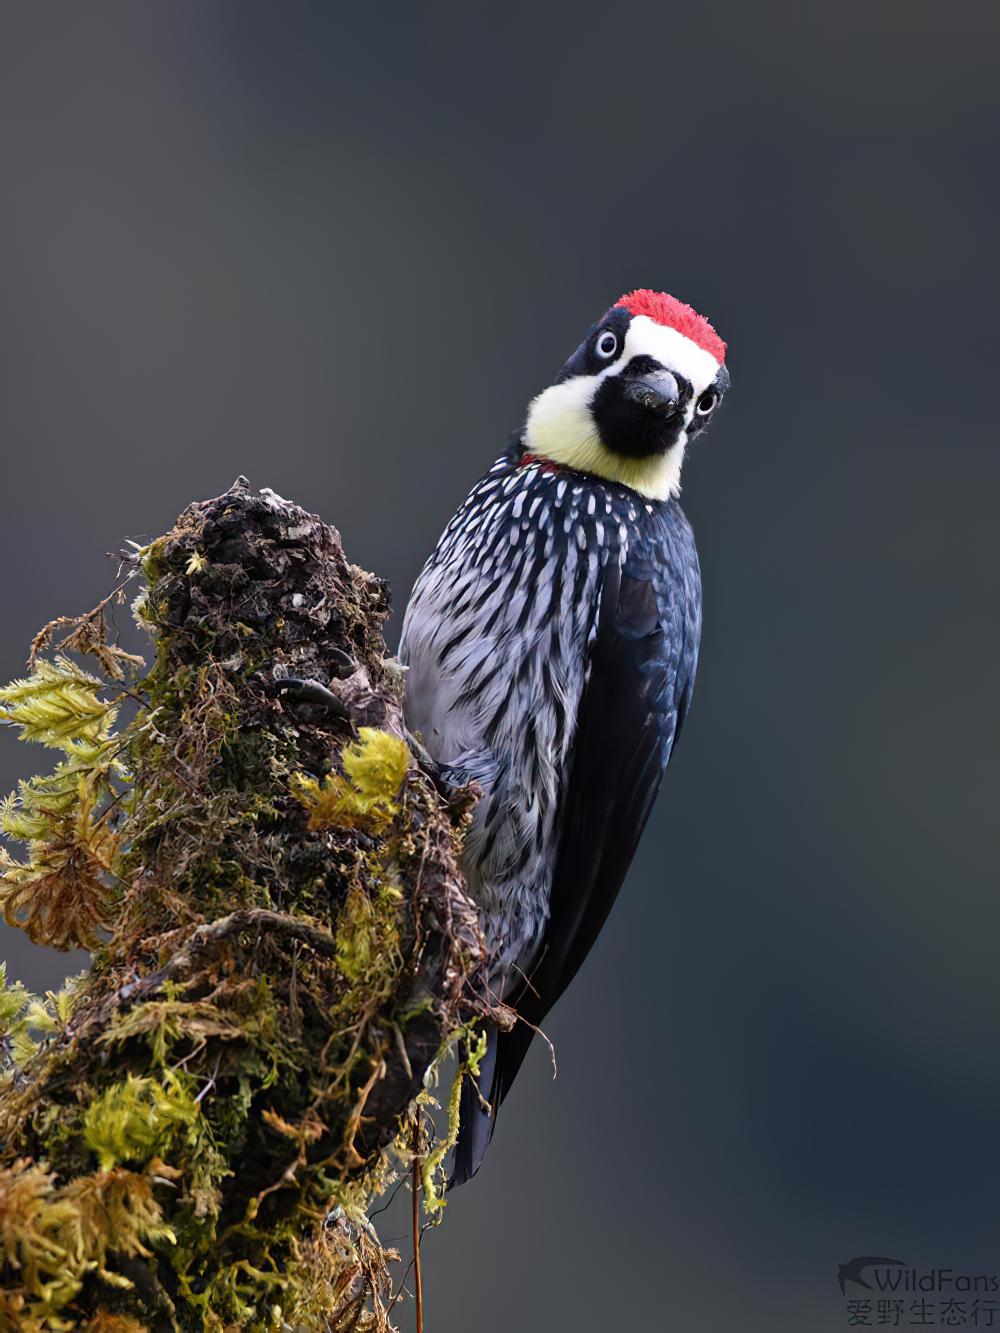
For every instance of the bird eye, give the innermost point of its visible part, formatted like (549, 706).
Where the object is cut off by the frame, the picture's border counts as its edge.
(706, 402)
(607, 345)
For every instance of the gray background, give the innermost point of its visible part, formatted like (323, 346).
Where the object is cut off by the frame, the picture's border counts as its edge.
(338, 250)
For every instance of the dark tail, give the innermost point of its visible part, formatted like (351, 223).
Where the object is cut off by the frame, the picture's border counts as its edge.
(505, 1052)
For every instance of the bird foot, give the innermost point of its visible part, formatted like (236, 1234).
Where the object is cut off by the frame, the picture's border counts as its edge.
(292, 690)
(430, 766)
(460, 797)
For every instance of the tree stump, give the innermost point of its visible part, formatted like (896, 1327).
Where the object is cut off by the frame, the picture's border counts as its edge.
(282, 944)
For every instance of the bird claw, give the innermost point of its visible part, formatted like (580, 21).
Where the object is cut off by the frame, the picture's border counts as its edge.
(293, 690)
(430, 766)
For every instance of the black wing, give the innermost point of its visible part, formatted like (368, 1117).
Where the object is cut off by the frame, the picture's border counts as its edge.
(624, 735)
(637, 693)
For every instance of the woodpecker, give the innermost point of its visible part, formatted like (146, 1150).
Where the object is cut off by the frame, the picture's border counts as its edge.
(550, 643)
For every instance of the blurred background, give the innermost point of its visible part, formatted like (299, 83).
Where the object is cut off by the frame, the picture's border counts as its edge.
(338, 249)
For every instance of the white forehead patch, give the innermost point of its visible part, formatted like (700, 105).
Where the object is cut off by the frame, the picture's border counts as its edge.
(644, 337)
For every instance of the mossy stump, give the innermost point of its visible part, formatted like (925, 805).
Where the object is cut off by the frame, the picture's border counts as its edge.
(282, 945)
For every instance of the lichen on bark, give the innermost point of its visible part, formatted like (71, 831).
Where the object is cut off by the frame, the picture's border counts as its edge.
(282, 945)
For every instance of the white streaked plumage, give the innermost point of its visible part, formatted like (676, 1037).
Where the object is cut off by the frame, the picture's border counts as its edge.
(511, 648)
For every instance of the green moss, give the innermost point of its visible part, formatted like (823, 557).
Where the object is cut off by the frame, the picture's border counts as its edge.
(141, 1118)
(63, 893)
(54, 1236)
(367, 795)
(152, 559)
(432, 1167)
(367, 935)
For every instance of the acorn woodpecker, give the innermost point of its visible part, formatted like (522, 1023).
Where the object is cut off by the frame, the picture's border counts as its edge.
(550, 644)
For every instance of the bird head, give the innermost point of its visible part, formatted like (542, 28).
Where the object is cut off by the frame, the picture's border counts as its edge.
(649, 376)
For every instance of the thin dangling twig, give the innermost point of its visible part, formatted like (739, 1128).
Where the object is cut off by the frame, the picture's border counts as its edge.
(417, 1278)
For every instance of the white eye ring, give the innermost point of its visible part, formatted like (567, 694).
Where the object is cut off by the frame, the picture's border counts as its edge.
(607, 345)
(706, 402)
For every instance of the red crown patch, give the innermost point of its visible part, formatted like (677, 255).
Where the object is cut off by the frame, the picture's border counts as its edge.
(674, 314)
